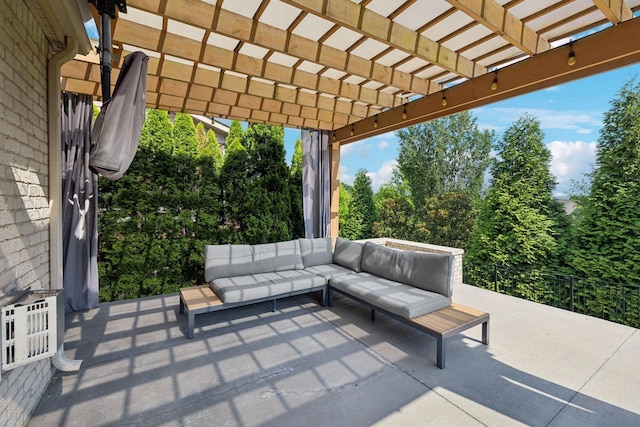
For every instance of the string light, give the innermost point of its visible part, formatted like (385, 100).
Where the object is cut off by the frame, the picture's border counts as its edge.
(404, 113)
(444, 99)
(375, 123)
(352, 130)
(571, 61)
(494, 84)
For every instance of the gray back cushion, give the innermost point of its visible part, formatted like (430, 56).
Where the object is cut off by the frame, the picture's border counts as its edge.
(316, 251)
(348, 254)
(240, 260)
(431, 272)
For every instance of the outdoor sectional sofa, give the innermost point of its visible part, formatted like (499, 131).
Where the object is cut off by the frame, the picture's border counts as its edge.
(413, 287)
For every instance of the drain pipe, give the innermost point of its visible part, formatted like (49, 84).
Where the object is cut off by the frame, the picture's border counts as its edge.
(60, 361)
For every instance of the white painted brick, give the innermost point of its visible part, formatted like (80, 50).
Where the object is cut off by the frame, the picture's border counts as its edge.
(24, 211)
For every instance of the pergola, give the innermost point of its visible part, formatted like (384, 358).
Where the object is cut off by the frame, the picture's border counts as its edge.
(359, 68)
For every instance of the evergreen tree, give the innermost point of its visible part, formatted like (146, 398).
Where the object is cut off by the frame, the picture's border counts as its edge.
(269, 176)
(362, 209)
(157, 133)
(516, 225)
(295, 188)
(212, 149)
(142, 245)
(184, 133)
(608, 232)
(201, 136)
(346, 226)
(235, 132)
(237, 202)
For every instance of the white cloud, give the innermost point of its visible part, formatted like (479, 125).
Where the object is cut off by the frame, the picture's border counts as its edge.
(345, 177)
(382, 145)
(552, 119)
(571, 160)
(383, 175)
(361, 149)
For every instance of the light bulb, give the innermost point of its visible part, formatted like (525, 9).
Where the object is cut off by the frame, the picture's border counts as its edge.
(494, 84)
(572, 59)
(444, 101)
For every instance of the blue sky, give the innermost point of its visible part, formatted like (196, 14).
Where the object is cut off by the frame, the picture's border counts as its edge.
(570, 116)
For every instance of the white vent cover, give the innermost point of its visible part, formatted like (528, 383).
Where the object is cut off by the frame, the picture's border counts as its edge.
(28, 331)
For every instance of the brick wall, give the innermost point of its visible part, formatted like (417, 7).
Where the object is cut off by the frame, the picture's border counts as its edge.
(24, 187)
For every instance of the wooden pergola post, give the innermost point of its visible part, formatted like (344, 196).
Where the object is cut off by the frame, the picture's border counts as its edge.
(335, 188)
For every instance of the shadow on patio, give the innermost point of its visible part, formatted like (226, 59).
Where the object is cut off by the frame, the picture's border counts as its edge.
(309, 365)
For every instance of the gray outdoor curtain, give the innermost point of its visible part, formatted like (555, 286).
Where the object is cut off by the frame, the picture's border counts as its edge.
(316, 183)
(79, 210)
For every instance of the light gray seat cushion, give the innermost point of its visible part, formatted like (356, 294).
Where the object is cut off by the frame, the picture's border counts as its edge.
(241, 260)
(316, 251)
(329, 271)
(252, 287)
(403, 300)
(431, 272)
(348, 254)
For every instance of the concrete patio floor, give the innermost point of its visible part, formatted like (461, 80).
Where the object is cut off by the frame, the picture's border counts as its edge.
(306, 365)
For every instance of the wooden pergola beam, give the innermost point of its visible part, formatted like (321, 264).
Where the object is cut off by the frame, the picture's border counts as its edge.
(358, 18)
(606, 50)
(219, 93)
(616, 11)
(238, 27)
(194, 51)
(504, 23)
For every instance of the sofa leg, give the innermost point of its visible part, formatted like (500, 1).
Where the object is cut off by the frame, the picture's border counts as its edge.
(274, 306)
(373, 315)
(440, 360)
(329, 297)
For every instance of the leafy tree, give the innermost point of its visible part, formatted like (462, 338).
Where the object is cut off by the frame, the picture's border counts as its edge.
(444, 155)
(295, 188)
(391, 190)
(517, 224)
(448, 219)
(395, 218)
(608, 232)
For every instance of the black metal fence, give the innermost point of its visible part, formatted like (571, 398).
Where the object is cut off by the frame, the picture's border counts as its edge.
(617, 302)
